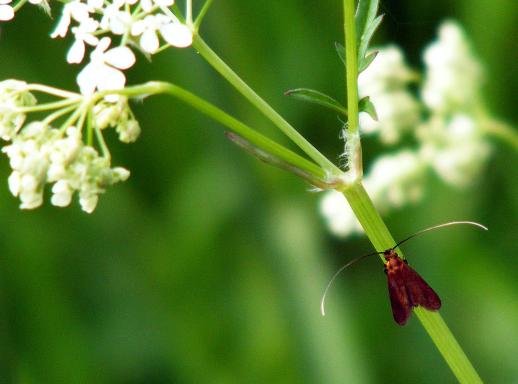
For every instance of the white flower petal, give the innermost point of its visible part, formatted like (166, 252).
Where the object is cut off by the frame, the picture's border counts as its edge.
(76, 53)
(149, 41)
(176, 34)
(109, 78)
(86, 79)
(62, 27)
(6, 12)
(88, 203)
(146, 5)
(120, 57)
(14, 182)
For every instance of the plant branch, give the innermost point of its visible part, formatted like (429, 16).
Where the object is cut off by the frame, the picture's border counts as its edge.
(220, 66)
(501, 131)
(225, 119)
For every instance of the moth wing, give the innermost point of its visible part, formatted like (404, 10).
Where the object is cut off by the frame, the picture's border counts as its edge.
(399, 300)
(419, 292)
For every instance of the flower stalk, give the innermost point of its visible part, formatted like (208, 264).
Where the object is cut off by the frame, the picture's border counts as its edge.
(224, 70)
(377, 231)
(228, 121)
(353, 151)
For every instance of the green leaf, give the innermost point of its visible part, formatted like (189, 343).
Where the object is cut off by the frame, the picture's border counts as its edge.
(365, 13)
(367, 35)
(366, 105)
(340, 49)
(316, 97)
(364, 62)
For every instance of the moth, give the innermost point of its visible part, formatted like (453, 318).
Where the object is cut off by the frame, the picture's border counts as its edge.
(406, 288)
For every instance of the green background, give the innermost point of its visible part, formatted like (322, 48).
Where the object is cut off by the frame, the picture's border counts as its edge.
(207, 266)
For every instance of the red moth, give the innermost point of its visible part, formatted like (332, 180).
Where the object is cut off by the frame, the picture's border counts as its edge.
(406, 288)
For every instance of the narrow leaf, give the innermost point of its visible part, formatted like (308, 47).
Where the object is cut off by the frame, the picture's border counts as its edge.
(366, 105)
(365, 13)
(316, 97)
(372, 12)
(366, 61)
(360, 18)
(367, 35)
(340, 50)
(275, 161)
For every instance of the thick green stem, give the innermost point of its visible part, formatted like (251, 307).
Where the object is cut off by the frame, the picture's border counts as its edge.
(225, 71)
(225, 119)
(439, 332)
(448, 346)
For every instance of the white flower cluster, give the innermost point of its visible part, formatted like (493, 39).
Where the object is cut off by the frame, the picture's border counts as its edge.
(386, 82)
(117, 115)
(14, 95)
(450, 138)
(456, 148)
(453, 76)
(41, 154)
(138, 23)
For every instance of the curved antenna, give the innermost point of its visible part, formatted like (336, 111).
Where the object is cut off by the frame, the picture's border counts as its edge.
(440, 226)
(323, 300)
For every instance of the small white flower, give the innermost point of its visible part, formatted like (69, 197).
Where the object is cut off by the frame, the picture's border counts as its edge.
(387, 72)
(83, 35)
(453, 75)
(61, 194)
(6, 10)
(147, 30)
(116, 20)
(177, 34)
(397, 179)
(456, 149)
(103, 71)
(88, 201)
(74, 10)
(13, 95)
(129, 131)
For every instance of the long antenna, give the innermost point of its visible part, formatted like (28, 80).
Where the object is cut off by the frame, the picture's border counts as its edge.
(440, 226)
(323, 300)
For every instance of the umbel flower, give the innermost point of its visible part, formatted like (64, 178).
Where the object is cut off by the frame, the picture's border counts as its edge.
(445, 123)
(14, 95)
(111, 30)
(41, 154)
(136, 23)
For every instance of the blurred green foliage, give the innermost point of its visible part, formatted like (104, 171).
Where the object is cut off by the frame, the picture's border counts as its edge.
(207, 266)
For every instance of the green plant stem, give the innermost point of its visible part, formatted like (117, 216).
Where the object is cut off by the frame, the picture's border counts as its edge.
(259, 140)
(501, 131)
(224, 70)
(433, 323)
(448, 346)
(202, 14)
(353, 148)
(351, 58)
